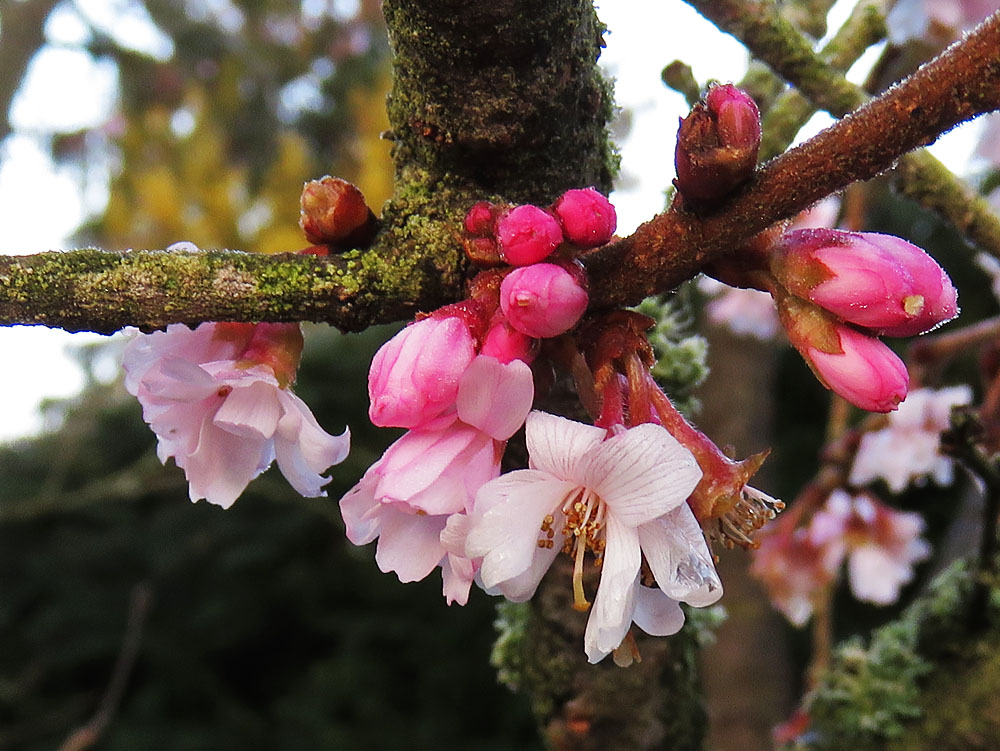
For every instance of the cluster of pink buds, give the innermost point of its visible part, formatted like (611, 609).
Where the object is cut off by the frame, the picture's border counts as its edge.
(799, 563)
(837, 292)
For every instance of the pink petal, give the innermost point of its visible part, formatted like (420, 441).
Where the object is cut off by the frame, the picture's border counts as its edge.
(361, 511)
(641, 474)
(556, 445)
(304, 450)
(494, 397)
(457, 574)
(611, 614)
(409, 544)
(250, 411)
(223, 465)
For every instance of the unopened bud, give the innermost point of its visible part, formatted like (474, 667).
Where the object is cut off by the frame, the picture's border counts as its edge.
(717, 144)
(334, 213)
(879, 282)
(481, 219)
(588, 218)
(527, 234)
(859, 367)
(542, 300)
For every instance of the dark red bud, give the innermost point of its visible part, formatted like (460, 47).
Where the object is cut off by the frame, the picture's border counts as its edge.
(334, 213)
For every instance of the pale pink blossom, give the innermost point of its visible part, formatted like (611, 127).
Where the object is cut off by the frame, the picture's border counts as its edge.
(796, 567)
(432, 473)
(621, 498)
(881, 544)
(908, 450)
(221, 407)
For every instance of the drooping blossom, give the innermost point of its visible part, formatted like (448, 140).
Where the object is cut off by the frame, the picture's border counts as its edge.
(622, 498)
(908, 449)
(219, 400)
(434, 472)
(881, 544)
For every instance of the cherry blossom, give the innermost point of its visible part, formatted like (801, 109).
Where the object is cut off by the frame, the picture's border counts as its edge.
(620, 497)
(434, 472)
(219, 401)
(908, 449)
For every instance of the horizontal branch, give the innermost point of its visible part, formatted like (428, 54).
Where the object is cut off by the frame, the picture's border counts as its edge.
(416, 265)
(961, 83)
(103, 291)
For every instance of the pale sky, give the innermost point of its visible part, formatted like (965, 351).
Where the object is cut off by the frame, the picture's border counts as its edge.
(40, 206)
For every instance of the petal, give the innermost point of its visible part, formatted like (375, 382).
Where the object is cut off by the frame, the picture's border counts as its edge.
(657, 614)
(678, 556)
(641, 474)
(494, 397)
(304, 450)
(611, 615)
(223, 465)
(361, 511)
(250, 411)
(457, 574)
(556, 445)
(409, 544)
(506, 522)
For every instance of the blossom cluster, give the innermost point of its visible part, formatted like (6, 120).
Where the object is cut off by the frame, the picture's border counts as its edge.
(799, 563)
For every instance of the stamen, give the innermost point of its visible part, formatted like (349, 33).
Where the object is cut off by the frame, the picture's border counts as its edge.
(579, 597)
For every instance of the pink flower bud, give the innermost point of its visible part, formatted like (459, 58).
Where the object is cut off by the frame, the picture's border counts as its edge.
(717, 145)
(527, 234)
(865, 372)
(737, 118)
(588, 218)
(542, 300)
(879, 282)
(414, 376)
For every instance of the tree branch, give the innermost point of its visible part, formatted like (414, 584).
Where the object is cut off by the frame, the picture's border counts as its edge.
(416, 265)
(920, 176)
(959, 84)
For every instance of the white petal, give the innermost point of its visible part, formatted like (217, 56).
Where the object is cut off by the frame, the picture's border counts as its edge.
(250, 410)
(556, 445)
(507, 522)
(521, 588)
(679, 558)
(614, 605)
(876, 576)
(409, 544)
(641, 474)
(495, 397)
(657, 614)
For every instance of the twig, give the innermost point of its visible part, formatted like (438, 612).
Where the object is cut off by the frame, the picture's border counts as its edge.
(85, 737)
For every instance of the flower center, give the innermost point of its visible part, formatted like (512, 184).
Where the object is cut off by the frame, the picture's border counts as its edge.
(584, 530)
